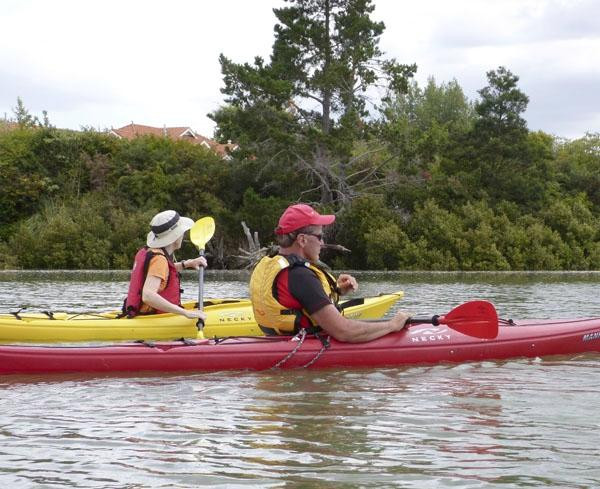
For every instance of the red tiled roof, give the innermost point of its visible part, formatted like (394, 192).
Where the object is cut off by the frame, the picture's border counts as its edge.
(131, 131)
(8, 125)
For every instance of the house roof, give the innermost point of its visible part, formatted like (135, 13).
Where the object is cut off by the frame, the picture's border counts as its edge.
(132, 130)
(8, 125)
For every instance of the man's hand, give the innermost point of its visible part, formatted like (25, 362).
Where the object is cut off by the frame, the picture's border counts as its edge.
(399, 320)
(346, 283)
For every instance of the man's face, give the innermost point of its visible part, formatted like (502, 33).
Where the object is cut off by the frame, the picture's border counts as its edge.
(311, 242)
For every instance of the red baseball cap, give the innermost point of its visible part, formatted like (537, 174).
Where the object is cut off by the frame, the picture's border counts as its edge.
(301, 215)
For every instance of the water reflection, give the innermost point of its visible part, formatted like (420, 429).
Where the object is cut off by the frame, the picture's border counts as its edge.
(509, 423)
(302, 424)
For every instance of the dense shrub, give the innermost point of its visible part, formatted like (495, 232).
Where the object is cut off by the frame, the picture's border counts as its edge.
(452, 198)
(85, 234)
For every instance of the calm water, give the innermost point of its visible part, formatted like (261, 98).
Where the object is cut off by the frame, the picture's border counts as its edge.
(519, 423)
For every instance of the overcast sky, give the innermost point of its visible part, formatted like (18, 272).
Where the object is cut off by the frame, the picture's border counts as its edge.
(106, 63)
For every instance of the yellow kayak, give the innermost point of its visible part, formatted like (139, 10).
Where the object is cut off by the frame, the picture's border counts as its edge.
(226, 317)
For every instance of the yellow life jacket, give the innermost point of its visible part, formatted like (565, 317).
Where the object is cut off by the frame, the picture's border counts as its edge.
(268, 312)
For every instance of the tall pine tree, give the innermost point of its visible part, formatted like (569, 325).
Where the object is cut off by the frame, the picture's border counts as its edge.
(307, 107)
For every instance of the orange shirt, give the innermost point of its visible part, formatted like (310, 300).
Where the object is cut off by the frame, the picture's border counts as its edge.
(158, 267)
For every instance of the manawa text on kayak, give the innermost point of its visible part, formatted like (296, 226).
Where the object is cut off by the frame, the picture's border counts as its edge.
(591, 336)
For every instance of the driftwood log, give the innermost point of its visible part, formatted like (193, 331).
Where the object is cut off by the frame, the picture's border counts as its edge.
(255, 251)
(251, 256)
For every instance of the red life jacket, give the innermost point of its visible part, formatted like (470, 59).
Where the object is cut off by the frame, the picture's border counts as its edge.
(171, 292)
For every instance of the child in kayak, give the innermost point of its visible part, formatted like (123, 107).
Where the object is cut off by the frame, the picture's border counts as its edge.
(154, 286)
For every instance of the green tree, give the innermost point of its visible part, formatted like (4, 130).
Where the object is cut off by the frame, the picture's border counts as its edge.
(24, 118)
(421, 128)
(501, 105)
(372, 231)
(500, 133)
(421, 123)
(578, 167)
(498, 159)
(306, 108)
(24, 179)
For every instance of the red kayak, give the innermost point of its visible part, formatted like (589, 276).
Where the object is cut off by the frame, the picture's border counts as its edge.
(417, 344)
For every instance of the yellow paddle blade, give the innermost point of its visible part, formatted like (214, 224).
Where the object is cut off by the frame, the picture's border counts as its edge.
(201, 232)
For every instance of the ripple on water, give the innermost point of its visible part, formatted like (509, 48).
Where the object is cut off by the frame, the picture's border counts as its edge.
(512, 424)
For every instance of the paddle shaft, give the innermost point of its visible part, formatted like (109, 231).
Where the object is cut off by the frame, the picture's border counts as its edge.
(202, 231)
(200, 323)
(435, 320)
(430, 320)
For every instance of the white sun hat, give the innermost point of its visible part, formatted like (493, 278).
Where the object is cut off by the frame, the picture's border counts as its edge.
(167, 227)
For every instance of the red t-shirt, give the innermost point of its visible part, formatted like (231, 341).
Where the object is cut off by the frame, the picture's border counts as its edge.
(299, 288)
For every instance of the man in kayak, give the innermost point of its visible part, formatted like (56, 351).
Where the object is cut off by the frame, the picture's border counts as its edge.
(154, 286)
(291, 290)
